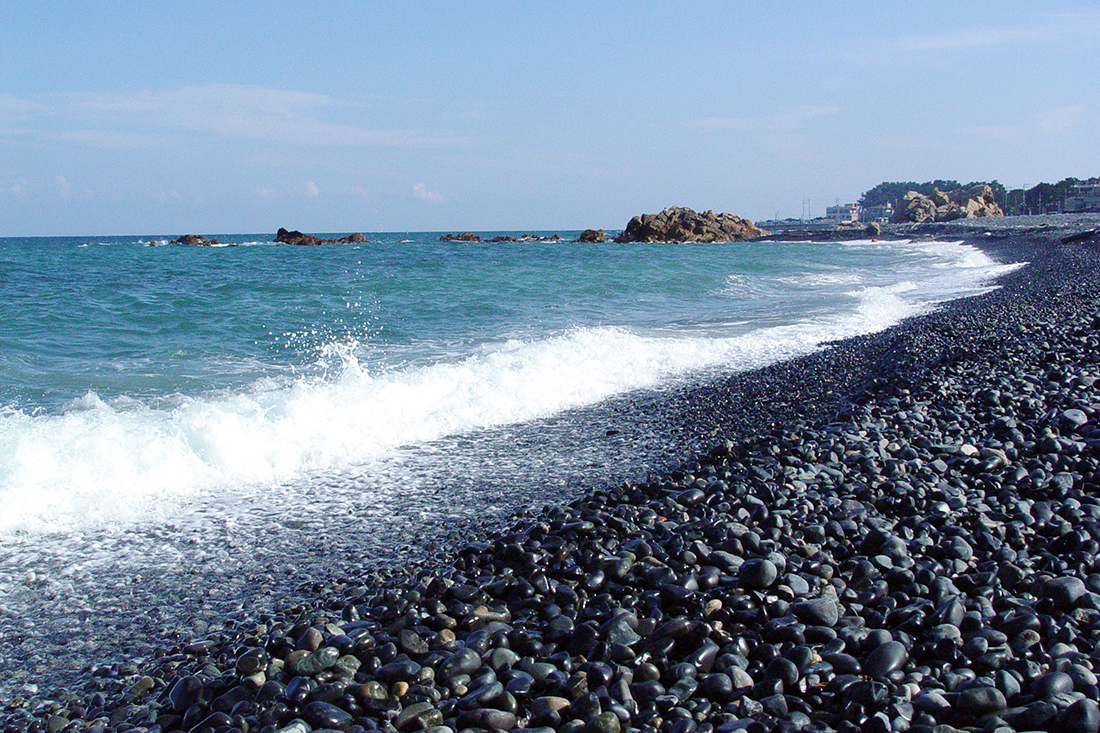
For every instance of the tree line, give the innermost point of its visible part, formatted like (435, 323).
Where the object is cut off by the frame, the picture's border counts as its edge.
(1042, 198)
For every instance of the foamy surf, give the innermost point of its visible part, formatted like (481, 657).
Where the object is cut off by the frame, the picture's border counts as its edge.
(100, 463)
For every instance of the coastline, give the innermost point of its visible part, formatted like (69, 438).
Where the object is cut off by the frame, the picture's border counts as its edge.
(1055, 292)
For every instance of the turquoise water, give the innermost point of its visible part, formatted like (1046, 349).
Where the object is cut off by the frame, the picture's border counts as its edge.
(133, 368)
(191, 433)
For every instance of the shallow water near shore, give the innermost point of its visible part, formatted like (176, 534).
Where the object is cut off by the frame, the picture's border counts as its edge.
(187, 433)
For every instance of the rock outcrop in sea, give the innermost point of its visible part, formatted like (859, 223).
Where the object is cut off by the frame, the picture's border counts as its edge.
(963, 203)
(471, 237)
(196, 240)
(593, 236)
(681, 224)
(297, 238)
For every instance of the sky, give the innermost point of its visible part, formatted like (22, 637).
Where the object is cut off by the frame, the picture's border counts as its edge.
(243, 117)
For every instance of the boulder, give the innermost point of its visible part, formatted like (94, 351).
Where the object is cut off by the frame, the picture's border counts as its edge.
(964, 203)
(464, 237)
(196, 240)
(597, 236)
(680, 224)
(297, 238)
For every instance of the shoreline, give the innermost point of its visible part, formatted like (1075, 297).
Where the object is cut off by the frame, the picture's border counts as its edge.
(816, 389)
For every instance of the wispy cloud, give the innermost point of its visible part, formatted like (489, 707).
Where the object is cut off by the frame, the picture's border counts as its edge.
(63, 186)
(1061, 120)
(765, 123)
(1046, 124)
(421, 191)
(228, 111)
(311, 190)
(1060, 28)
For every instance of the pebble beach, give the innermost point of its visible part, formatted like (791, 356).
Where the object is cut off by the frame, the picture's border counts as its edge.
(898, 533)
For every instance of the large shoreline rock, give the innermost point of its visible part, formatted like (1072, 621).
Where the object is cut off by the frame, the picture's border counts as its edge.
(964, 203)
(297, 238)
(681, 224)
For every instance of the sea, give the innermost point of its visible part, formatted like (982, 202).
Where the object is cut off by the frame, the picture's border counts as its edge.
(191, 435)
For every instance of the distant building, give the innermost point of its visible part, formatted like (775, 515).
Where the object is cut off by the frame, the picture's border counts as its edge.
(880, 213)
(1083, 197)
(843, 212)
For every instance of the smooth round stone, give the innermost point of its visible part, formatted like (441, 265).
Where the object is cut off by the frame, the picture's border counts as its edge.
(1051, 684)
(1073, 418)
(404, 670)
(885, 658)
(741, 678)
(758, 574)
(932, 702)
(717, 687)
(313, 662)
(464, 661)
(325, 715)
(185, 693)
(487, 718)
(959, 549)
(606, 722)
(423, 714)
(1082, 716)
(817, 611)
(983, 700)
(1064, 592)
(783, 670)
(621, 630)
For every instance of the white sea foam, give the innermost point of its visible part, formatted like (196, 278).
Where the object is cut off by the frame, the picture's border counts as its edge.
(105, 463)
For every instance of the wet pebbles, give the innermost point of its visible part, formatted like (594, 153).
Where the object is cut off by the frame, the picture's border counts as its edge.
(926, 559)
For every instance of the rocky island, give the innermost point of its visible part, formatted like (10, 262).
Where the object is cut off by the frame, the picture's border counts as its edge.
(681, 224)
(196, 240)
(297, 238)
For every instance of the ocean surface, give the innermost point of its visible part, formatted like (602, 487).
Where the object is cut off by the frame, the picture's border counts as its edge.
(188, 432)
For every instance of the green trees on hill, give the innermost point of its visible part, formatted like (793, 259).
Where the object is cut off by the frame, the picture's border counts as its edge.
(1041, 198)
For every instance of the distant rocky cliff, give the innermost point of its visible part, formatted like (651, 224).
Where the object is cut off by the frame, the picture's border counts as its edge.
(962, 203)
(680, 224)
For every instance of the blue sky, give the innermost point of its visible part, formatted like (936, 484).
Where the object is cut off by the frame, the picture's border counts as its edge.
(174, 117)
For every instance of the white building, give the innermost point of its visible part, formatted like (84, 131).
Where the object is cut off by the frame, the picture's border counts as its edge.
(843, 212)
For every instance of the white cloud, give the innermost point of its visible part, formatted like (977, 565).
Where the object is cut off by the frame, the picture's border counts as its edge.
(19, 188)
(311, 190)
(421, 192)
